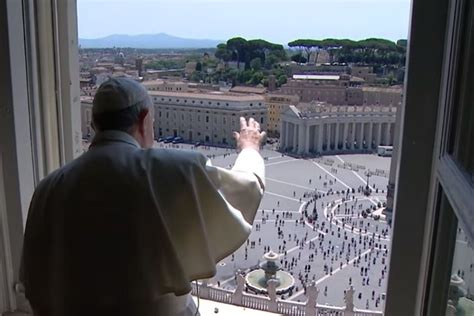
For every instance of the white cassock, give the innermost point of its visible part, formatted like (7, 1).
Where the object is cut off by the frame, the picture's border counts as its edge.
(123, 229)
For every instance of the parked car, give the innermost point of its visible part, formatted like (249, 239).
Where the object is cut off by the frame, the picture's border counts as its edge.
(177, 140)
(197, 144)
(168, 139)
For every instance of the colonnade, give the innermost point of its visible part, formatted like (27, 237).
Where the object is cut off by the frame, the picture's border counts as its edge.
(304, 136)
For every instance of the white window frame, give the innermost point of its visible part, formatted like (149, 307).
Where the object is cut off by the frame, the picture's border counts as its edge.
(39, 117)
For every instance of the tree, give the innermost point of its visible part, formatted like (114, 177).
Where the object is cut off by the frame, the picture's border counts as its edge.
(308, 45)
(256, 78)
(198, 66)
(223, 53)
(271, 60)
(298, 58)
(256, 64)
(237, 46)
(282, 79)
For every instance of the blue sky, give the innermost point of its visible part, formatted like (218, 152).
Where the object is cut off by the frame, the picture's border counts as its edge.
(279, 21)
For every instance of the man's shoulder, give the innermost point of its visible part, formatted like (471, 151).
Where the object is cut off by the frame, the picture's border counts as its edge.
(176, 156)
(52, 179)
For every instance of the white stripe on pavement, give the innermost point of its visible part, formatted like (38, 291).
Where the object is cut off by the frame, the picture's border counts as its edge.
(279, 162)
(282, 196)
(317, 164)
(294, 184)
(361, 179)
(340, 159)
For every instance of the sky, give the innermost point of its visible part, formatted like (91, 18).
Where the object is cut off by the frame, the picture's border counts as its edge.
(279, 21)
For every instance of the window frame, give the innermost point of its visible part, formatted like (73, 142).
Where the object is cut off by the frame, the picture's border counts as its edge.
(42, 131)
(426, 275)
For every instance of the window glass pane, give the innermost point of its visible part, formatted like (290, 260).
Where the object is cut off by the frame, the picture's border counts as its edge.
(462, 129)
(461, 287)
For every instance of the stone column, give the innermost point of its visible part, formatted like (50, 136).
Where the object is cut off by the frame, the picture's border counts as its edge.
(282, 135)
(306, 139)
(362, 135)
(272, 304)
(238, 293)
(371, 126)
(320, 137)
(386, 133)
(353, 135)
(392, 135)
(301, 138)
(378, 139)
(349, 299)
(312, 297)
(295, 136)
(204, 289)
(328, 136)
(287, 134)
(346, 128)
(337, 136)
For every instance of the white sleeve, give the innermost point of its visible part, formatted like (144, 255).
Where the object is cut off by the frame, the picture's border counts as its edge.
(242, 186)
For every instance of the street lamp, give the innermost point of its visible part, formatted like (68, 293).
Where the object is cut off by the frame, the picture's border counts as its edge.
(367, 188)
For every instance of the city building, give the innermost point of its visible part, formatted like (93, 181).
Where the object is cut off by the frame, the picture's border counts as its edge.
(364, 72)
(166, 85)
(296, 68)
(208, 117)
(321, 128)
(309, 90)
(341, 90)
(276, 105)
(391, 96)
(86, 117)
(246, 89)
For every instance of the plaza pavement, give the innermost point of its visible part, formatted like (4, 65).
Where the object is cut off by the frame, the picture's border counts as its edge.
(333, 267)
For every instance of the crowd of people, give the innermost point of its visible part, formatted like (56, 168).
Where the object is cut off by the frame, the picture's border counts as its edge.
(319, 243)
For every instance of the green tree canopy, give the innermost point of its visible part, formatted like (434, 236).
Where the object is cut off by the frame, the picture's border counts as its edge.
(371, 50)
(242, 51)
(307, 45)
(256, 64)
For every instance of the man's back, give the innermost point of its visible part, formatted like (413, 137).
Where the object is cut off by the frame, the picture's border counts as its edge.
(124, 229)
(126, 225)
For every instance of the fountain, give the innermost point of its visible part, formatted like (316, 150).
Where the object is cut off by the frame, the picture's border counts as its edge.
(257, 280)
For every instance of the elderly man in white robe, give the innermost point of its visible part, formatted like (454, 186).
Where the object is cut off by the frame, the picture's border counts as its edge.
(124, 229)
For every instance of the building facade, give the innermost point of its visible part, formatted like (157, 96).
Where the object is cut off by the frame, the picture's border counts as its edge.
(163, 85)
(276, 105)
(337, 94)
(392, 96)
(326, 128)
(364, 72)
(86, 117)
(205, 117)
(342, 92)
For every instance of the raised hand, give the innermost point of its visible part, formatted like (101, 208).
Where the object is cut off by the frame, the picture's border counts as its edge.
(250, 135)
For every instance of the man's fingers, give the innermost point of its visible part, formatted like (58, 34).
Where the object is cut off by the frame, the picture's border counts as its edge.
(263, 136)
(236, 136)
(243, 123)
(251, 122)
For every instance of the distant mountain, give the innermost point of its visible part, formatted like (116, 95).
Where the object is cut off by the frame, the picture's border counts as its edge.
(160, 40)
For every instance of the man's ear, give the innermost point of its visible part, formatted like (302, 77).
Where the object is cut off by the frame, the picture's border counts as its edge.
(141, 119)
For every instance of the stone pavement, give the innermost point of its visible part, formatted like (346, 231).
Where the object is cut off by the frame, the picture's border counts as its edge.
(318, 249)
